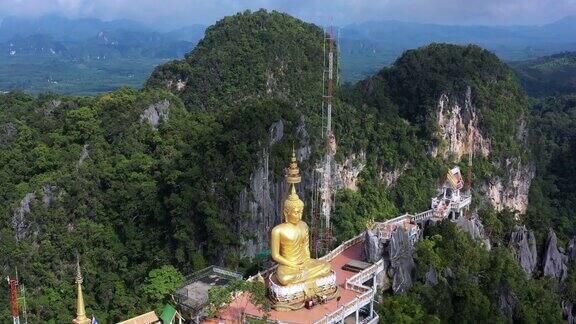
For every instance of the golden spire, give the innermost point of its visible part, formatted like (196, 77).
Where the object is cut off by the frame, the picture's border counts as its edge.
(80, 308)
(293, 172)
(292, 178)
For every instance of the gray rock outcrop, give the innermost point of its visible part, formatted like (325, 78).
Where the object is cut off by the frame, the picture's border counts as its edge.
(83, 154)
(448, 273)
(346, 174)
(276, 132)
(431, 276)
(50, 107)
(523, 246)
(7, 133)
(401, 260)
(20, 223)
(571, 250)
(372, 247)
(511, 191)
(259, 204)
(508, 302)
(553, 261)
(456, 116)
(567, 310)
(155, 113)
(48, 191)
(304, 150)
(390, 177)
(475, 229)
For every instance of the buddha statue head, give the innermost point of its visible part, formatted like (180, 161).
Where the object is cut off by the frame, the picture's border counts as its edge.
(293, 207)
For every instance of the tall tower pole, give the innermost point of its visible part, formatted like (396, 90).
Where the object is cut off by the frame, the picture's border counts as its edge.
(326, 190)
(329, 83)
(13, 285)
(470, 154)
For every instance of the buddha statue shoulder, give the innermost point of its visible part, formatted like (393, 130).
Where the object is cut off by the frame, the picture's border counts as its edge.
(290, 245)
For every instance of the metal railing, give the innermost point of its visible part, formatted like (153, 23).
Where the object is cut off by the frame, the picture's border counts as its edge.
(345, 245)
(423, 216)
(465, 202)
(356, 284)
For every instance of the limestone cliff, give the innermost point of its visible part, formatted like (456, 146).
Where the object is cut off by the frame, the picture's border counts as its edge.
(21, 223)
(554, 261)
(510, 191)
(260, 204)
(458, 128)
(156, 113)
(523, 246)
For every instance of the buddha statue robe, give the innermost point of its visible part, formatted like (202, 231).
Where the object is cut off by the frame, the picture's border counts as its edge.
(290, 247)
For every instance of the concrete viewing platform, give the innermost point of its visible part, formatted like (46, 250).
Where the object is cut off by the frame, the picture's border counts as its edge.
(353, 296)
(357, 289)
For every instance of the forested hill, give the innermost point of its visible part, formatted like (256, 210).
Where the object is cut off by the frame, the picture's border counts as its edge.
(247, 56)
(145, 186)
(549, 75)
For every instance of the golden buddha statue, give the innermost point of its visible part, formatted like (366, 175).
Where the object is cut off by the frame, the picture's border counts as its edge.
(290, 240)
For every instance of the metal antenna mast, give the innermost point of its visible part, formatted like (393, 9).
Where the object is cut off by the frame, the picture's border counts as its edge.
(470, 155)
(469, 176)
(326, 191)
(13, 286)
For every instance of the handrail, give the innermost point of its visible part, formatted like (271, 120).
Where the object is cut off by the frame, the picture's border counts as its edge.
(355, 283)
(353, 241)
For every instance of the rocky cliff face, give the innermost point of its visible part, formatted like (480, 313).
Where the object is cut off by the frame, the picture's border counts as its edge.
(259, 209)
(7, 133)
(260, 204)
(401, 260)
(155, 113)
(20, 223)
(389, 178)
(523, 246)
(346, 174)
(372, 248)
(554, 261)
(458, 125)
(475, 229)
(511, 191)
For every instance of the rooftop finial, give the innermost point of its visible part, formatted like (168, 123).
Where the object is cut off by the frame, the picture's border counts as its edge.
(79, 279)
(80, 307)
(293, 172)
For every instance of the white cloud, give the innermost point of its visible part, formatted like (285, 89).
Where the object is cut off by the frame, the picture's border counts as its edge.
(186, 12)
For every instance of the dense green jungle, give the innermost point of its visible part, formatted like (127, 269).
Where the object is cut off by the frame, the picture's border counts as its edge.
(142, 185)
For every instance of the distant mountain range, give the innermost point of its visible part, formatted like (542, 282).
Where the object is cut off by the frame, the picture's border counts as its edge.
(88, 55)
(548, 76)
(93, 39)
(85, 56)
(367, 47)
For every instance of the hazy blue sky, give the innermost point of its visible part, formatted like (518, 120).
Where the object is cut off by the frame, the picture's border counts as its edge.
(173, 13)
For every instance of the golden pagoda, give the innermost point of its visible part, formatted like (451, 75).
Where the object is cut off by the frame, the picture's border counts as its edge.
(80, 308)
